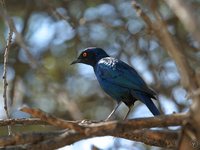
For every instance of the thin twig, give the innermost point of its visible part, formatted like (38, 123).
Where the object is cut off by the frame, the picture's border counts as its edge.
(54, 12)
(20, 41)
(5, 82)
(19, 38)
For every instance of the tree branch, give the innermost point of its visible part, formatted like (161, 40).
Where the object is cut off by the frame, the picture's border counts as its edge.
(89, 127)
(53, 120)
(189, 77)
(6, 53)
(19, 38)
(173, 49)
(167, 139)
(129, 129)
(24, 121)
(186, 15)
(134, 129)
(161, 138)
(25, 138)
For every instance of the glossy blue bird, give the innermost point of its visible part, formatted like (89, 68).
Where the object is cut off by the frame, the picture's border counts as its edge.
(118, 79)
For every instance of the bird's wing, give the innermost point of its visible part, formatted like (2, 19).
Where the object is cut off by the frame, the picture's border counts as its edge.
(119, 73)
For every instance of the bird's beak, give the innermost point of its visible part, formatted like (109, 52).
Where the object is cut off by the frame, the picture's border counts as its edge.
(76, 61)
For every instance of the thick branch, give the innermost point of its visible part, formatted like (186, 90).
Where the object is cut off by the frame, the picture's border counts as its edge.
(186, 15)
(53, 120)
(167, 139)
(120, 126)
(156, 138)
(189, 77)
(135, 124)
(25, 138)
(168, 42)
(25, 121)
(130, 129)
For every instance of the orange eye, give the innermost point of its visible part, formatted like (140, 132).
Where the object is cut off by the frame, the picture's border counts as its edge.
(84, 54)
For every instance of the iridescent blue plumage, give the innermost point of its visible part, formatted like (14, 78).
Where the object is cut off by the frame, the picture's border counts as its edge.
(118, 79)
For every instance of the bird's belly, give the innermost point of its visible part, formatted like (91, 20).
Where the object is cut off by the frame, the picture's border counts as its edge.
(116, 92)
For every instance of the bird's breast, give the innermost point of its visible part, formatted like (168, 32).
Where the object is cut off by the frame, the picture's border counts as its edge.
(115, 91)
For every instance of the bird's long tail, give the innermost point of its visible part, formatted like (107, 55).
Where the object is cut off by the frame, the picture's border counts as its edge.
(147, 101)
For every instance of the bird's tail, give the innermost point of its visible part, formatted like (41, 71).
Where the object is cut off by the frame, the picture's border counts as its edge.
(147, 101)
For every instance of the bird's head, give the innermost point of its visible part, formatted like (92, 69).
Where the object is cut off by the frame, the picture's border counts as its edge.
(91, 56)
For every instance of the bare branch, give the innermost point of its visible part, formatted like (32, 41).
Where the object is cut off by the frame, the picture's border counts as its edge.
(25, 138)
(20, 41)
(25, 121)
(64, 139)
(5, 83)
(130, 129)
(160, 29)
(89, 127)
(54, 12)
(189, 77)
(167, 139)
(52, 120)
(19, 38)
(186, 15)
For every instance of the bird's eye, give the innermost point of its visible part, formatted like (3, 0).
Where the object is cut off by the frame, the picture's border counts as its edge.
(84, 54)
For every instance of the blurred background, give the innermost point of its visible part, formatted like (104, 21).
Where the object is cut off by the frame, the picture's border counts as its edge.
(55, 32)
